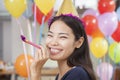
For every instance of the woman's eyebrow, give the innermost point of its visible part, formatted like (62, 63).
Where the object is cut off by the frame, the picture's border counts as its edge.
(50, 32)
(61, 33)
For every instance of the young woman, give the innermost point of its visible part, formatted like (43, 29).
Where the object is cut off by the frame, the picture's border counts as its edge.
(66, 43)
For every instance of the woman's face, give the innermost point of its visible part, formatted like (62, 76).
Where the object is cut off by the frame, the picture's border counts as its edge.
(60, 41)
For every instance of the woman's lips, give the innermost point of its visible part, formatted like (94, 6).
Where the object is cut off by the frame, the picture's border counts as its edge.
(55, 51)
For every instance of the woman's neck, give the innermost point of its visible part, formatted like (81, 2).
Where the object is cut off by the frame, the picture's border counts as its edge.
(63, 68)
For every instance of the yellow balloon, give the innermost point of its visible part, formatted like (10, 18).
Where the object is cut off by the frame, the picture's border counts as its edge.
(45, 5)
(99, 47)
(15, 7)
(114, 52)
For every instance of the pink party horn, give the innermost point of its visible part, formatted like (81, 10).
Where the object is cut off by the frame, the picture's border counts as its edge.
(29, 42)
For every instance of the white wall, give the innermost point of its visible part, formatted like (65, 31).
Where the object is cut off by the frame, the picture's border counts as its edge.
(1, 40)
(7, 52)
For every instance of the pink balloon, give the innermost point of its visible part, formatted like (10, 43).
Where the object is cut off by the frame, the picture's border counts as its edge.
(91, 12)
(107, 23)
(105, 71)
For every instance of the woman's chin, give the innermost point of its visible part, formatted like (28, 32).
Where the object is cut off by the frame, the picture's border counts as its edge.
(53, 57)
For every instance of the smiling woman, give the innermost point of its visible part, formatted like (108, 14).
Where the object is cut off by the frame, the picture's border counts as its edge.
(67, 44)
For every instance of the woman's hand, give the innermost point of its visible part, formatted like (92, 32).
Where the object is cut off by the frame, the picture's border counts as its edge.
(41, 56)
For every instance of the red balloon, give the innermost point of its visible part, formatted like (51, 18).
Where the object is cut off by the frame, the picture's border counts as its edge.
(39, 15)
(20, 65)
(91, 24)
(106, 6)
(116, 34)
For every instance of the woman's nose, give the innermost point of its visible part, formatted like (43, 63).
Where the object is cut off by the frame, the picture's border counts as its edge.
(54, 41)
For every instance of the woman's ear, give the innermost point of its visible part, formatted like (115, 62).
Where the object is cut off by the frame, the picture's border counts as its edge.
(79, 42)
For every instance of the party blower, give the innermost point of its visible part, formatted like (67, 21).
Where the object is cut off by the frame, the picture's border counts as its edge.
(29, 42)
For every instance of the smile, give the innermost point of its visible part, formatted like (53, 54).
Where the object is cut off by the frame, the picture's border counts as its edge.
(55, 51)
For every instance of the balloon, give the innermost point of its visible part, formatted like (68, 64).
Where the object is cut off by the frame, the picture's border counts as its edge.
(20, 65)
(107, 23)
(106, 6)
(116, 34)
(105, 71)
(15, 7)
(97, 33)
(39, 15)
(45, 5)
(98, 47)
(118, 13)
(114, 52)
(28, 11)
(91, 12)
(91, 24)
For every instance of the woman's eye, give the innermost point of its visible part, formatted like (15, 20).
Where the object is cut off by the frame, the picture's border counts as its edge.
(49, 35)
(63, 37)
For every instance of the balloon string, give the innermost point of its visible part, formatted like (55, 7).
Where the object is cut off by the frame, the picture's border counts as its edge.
(41, 29)
(24, 49)
(108, 60)
(27, 8)
(99, 62)
(34, 26)
(30, 37)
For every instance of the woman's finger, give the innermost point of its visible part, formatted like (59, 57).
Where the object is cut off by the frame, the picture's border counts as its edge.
(36, 55)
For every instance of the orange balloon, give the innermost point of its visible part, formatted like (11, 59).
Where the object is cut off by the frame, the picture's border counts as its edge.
(20, 65)
(97, 33)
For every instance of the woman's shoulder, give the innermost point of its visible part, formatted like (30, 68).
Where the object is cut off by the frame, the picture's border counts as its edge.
(77, 73)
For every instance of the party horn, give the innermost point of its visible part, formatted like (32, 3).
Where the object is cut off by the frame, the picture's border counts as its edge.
(29, 42)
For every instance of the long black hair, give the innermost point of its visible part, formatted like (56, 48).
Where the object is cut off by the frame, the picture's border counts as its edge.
(80, 56)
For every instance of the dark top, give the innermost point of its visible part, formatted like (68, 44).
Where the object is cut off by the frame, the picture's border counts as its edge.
(76, 73)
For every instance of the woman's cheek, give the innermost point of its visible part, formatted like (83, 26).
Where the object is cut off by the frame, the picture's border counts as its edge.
(47, 40)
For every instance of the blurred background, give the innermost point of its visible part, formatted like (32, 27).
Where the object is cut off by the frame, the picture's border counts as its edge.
(30, 18)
